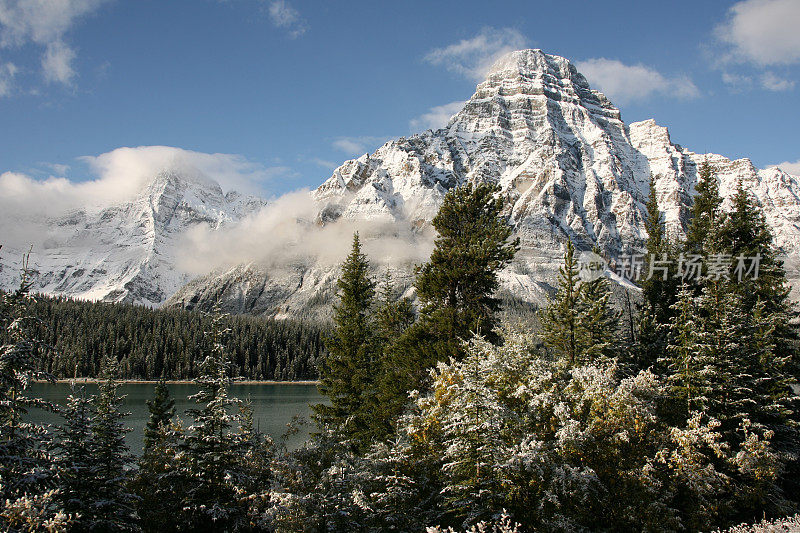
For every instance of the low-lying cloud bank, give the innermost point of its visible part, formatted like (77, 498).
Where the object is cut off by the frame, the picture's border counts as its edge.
(287, 233)
(121, 174)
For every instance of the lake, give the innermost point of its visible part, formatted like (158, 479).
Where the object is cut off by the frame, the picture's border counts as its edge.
(274, 405)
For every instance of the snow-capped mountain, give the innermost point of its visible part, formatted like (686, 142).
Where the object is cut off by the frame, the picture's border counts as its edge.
(567, 163)
(565, 160)
(126, 251)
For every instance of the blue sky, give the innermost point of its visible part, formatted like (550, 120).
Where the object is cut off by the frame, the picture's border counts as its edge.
(291, 88)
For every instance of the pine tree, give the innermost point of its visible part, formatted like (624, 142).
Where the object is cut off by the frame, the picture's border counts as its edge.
(394, 315)
(208, 462)
(348, 372)
(24, 461)
(474, 436)
(659, 288)
(688, 357)
(562, 322)
(560, 319)
(93, 460)
(456, 286)
(158, 482)
(162, 409)
(599, 320)
(113, 504)
(75, 464)
(255, 465)
(745, 237)
(705, 213)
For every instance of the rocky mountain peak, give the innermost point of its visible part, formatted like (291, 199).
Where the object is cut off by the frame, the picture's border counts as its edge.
(566, 163)
(535, 75)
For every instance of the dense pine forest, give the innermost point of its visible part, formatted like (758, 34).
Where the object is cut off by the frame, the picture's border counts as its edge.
(168, 343)
(680, 416)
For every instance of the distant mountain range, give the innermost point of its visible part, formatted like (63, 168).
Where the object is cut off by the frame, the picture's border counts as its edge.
(127, 252)
(568, 165)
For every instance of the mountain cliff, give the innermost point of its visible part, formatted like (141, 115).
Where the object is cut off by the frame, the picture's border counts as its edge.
(126, 252)
(568, 165)
(566, 162)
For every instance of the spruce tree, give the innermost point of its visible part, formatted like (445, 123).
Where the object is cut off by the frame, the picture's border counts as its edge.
(25, 464)
(93, 460)
(705, 213)
(162, 409)
(347, 373)
(745, 237)
(688, 359)
(580, 326)
(659, 288)
(113, 505)
(456, 286)
(561, 331)
(75, 464)
(157, 482)
(599, 320)
(208, 462)
(395, 314)
(393, 317)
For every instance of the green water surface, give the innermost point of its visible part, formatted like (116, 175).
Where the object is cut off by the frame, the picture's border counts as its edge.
(274, 405)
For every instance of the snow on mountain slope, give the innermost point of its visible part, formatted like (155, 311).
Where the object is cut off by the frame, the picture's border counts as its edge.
(567, 163)
(126, 251)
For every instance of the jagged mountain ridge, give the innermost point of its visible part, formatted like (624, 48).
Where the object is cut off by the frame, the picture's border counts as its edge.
(565, 160)
(126, 252)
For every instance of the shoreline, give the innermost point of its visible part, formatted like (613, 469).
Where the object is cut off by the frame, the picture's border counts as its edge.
(177, 381)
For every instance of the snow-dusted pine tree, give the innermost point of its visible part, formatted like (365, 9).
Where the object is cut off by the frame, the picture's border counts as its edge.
(162, 409)
(25, 464)
(561, 331)
(580, 325)
(208, 459)
(688, 359)
(75, 463)
(112, 502)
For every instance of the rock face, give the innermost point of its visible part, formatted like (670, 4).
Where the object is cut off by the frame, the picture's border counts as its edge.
(127, 252)
(568, 165)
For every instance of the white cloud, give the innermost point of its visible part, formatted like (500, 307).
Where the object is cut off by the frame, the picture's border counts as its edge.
(45, 23)
(626, 83)
(7, 73)
(764, 32)
(40, 21)
(285, 234)
(56, 168)
(772, 82)
(354, 146)
(57, 63)
(330, 165)
(437, 117)
(788, 166)
(473, 57)
(285, 16)
(122, 173)
(737, 82)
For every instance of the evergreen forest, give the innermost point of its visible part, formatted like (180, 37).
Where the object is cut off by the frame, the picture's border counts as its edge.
(150, 344)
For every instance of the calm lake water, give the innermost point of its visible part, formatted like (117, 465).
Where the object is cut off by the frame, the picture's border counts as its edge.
(274, 406)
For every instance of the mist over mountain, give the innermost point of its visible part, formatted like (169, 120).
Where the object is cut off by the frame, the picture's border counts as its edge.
(568, 165)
